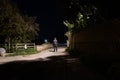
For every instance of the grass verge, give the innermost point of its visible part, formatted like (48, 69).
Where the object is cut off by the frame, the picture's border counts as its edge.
(23, 52)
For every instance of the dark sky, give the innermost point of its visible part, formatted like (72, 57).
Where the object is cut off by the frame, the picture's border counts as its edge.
(48, 16)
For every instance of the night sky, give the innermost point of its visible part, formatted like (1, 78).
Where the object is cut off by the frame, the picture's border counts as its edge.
(48, 17)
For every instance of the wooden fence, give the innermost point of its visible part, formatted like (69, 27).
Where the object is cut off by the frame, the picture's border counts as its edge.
(25, 45)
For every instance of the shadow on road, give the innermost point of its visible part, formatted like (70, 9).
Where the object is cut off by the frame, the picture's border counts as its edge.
(55, 68)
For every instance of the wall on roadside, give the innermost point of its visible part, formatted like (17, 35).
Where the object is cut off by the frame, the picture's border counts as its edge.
(101, 38)
(43, 47)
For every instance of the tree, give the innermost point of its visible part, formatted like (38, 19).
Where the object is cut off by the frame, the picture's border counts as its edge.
(84, 15)
(81, 14)
(15, 27)
(31, 28)
(82, 21)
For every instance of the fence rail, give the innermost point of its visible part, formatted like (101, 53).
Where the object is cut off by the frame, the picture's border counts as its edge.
(25, 45)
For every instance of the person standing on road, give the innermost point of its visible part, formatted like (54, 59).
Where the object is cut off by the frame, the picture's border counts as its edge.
(55, 44)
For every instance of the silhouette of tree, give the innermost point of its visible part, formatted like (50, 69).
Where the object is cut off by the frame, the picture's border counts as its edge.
(14, 26)
(86, 14)
(31, 28)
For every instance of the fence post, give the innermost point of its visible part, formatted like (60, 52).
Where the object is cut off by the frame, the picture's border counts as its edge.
(25, 46)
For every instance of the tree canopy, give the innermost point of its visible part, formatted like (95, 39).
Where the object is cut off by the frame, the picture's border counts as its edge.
(14, 25)
(84, 15)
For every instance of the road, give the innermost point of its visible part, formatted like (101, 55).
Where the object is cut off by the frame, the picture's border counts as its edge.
(46, 65)
(43, 55)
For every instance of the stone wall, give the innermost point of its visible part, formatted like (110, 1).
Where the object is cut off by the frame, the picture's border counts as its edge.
(43, 47)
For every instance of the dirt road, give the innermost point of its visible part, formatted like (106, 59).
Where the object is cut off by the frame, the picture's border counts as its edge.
(46, 65)
(43, 55)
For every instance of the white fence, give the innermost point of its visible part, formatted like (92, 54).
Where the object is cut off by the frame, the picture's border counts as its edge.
(25, 45)
(32, 45)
